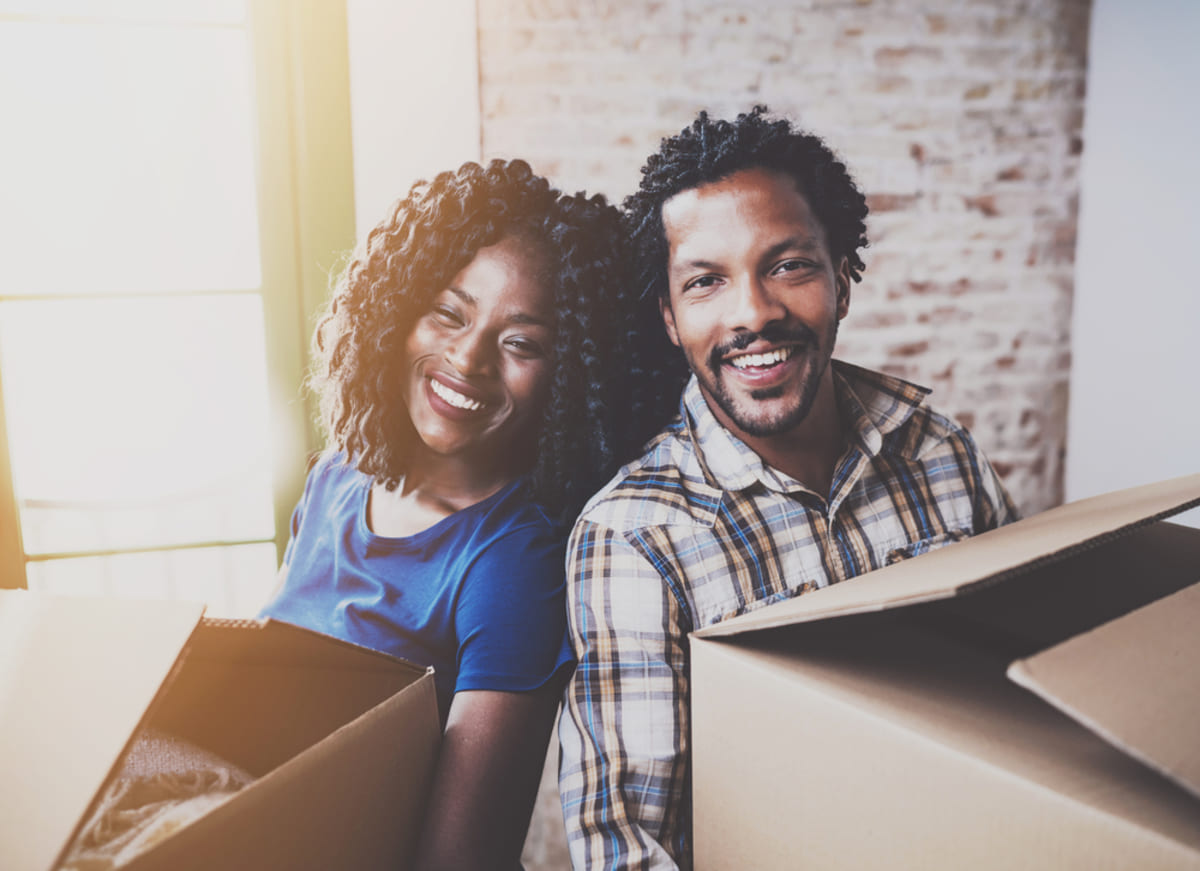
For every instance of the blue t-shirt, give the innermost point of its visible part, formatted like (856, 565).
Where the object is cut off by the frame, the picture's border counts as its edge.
(479, 595)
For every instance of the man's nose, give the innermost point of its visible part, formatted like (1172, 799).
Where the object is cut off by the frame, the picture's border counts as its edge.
(755, 305)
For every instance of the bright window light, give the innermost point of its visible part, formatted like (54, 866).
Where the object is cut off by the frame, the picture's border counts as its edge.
(131, 316)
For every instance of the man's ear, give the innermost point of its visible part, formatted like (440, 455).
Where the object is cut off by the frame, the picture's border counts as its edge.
(842, 280)
(668, 316)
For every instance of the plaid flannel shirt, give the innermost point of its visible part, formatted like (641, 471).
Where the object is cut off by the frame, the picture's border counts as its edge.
(699, 530)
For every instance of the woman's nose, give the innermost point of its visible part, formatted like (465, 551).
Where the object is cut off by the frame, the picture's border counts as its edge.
(471, 354)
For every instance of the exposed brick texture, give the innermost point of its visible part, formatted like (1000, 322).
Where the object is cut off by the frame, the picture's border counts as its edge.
(961, 120)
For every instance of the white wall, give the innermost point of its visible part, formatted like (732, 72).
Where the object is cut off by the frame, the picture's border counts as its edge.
(1134, 413)
(414, 96)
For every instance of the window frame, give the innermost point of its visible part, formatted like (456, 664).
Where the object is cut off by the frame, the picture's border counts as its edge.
(305, 193)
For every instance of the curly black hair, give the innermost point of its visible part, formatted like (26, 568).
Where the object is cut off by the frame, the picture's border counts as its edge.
(711, 150)
(410, 257)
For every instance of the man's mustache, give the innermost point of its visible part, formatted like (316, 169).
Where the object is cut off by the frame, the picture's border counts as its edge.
(799, 334)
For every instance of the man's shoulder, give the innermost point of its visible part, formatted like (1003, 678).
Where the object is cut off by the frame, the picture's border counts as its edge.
(664, 486)
(901, 412)
(926, 430)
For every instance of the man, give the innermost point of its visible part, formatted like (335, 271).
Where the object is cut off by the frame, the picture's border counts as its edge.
(785, 473)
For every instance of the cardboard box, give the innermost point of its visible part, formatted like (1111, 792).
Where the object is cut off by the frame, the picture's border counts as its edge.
(1026, 699)
(342, 739)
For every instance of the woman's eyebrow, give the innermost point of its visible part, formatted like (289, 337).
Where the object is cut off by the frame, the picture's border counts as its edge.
(463, 295)
(525, 318)
(514, 318)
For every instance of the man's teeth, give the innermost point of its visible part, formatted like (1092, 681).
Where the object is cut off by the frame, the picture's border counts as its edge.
(454, 397)
(745, 361)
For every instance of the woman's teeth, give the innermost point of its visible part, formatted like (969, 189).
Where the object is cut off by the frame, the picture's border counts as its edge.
(745, 361)
(453, 397)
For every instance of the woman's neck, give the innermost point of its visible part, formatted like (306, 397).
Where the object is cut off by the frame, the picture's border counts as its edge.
(434, 488)
(457, 481)
(452, 492)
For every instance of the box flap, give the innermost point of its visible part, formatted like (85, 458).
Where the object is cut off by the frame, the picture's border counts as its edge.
(988, 558)
(1133, 682)
(353, 800)
(76, 677)
(261, 667)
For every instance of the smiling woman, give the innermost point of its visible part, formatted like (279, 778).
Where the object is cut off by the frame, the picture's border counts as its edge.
(476, 370)
(479, 365)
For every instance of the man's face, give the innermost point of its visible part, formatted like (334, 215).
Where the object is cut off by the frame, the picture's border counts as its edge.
(755, 298)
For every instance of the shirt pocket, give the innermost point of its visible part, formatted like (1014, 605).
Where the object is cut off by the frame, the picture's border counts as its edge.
(925, 545)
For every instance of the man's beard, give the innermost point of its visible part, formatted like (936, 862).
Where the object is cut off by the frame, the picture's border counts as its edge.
(808, 343)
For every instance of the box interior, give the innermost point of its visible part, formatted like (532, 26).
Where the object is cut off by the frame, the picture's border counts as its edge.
(258, 694)
(1047, 604)
(1133, 682)
(265, 696)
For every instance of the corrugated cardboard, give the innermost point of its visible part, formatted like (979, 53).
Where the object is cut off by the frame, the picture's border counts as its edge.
(342, 739)
(887, 722)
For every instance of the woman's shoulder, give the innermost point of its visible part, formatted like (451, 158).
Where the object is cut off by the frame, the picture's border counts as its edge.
(330, 467)
(514, 535)
(513, 512)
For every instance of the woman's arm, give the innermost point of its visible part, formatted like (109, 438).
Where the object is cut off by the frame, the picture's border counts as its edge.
(487, 776)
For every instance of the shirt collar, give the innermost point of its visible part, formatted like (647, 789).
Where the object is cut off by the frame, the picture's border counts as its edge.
(727, 461)
(871, 404)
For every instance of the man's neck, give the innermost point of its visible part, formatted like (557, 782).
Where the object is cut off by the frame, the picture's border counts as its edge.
(810, 452)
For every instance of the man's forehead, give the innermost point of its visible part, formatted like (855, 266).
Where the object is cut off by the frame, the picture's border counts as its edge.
(753, 207)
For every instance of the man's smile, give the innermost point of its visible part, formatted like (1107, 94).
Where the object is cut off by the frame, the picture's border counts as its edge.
(761, 360)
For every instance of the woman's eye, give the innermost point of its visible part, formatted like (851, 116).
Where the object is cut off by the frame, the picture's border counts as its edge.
(526, 347)
(447, 315)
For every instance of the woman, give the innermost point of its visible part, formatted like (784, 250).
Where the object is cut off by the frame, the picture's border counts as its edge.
(468, 387)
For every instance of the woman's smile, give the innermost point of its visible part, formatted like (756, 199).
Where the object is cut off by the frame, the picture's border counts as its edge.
(458, 400)
(479, 361)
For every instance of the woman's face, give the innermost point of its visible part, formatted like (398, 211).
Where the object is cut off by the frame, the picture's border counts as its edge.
(478, 363)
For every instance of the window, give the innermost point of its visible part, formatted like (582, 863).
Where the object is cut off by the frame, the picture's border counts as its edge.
(177, 192)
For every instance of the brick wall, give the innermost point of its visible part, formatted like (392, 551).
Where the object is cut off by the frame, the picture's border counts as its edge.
(960, 119)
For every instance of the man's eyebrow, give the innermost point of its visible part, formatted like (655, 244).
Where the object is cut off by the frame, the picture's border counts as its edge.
(803, 244)
(707, 265)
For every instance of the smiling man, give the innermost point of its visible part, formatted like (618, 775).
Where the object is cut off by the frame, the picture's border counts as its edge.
(785, 472)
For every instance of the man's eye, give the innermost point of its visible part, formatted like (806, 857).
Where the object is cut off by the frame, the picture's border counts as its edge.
(791, 265)
(701, 282)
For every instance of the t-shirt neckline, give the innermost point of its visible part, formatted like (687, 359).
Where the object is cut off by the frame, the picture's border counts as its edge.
(418, 539)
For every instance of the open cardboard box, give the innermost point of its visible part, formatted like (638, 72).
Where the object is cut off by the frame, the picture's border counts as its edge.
(342, 739)
(1026, 699)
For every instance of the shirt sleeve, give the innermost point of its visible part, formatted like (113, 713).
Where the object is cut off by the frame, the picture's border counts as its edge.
(317, 468)
(992, 505)
(623, 773)
(510, 618)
